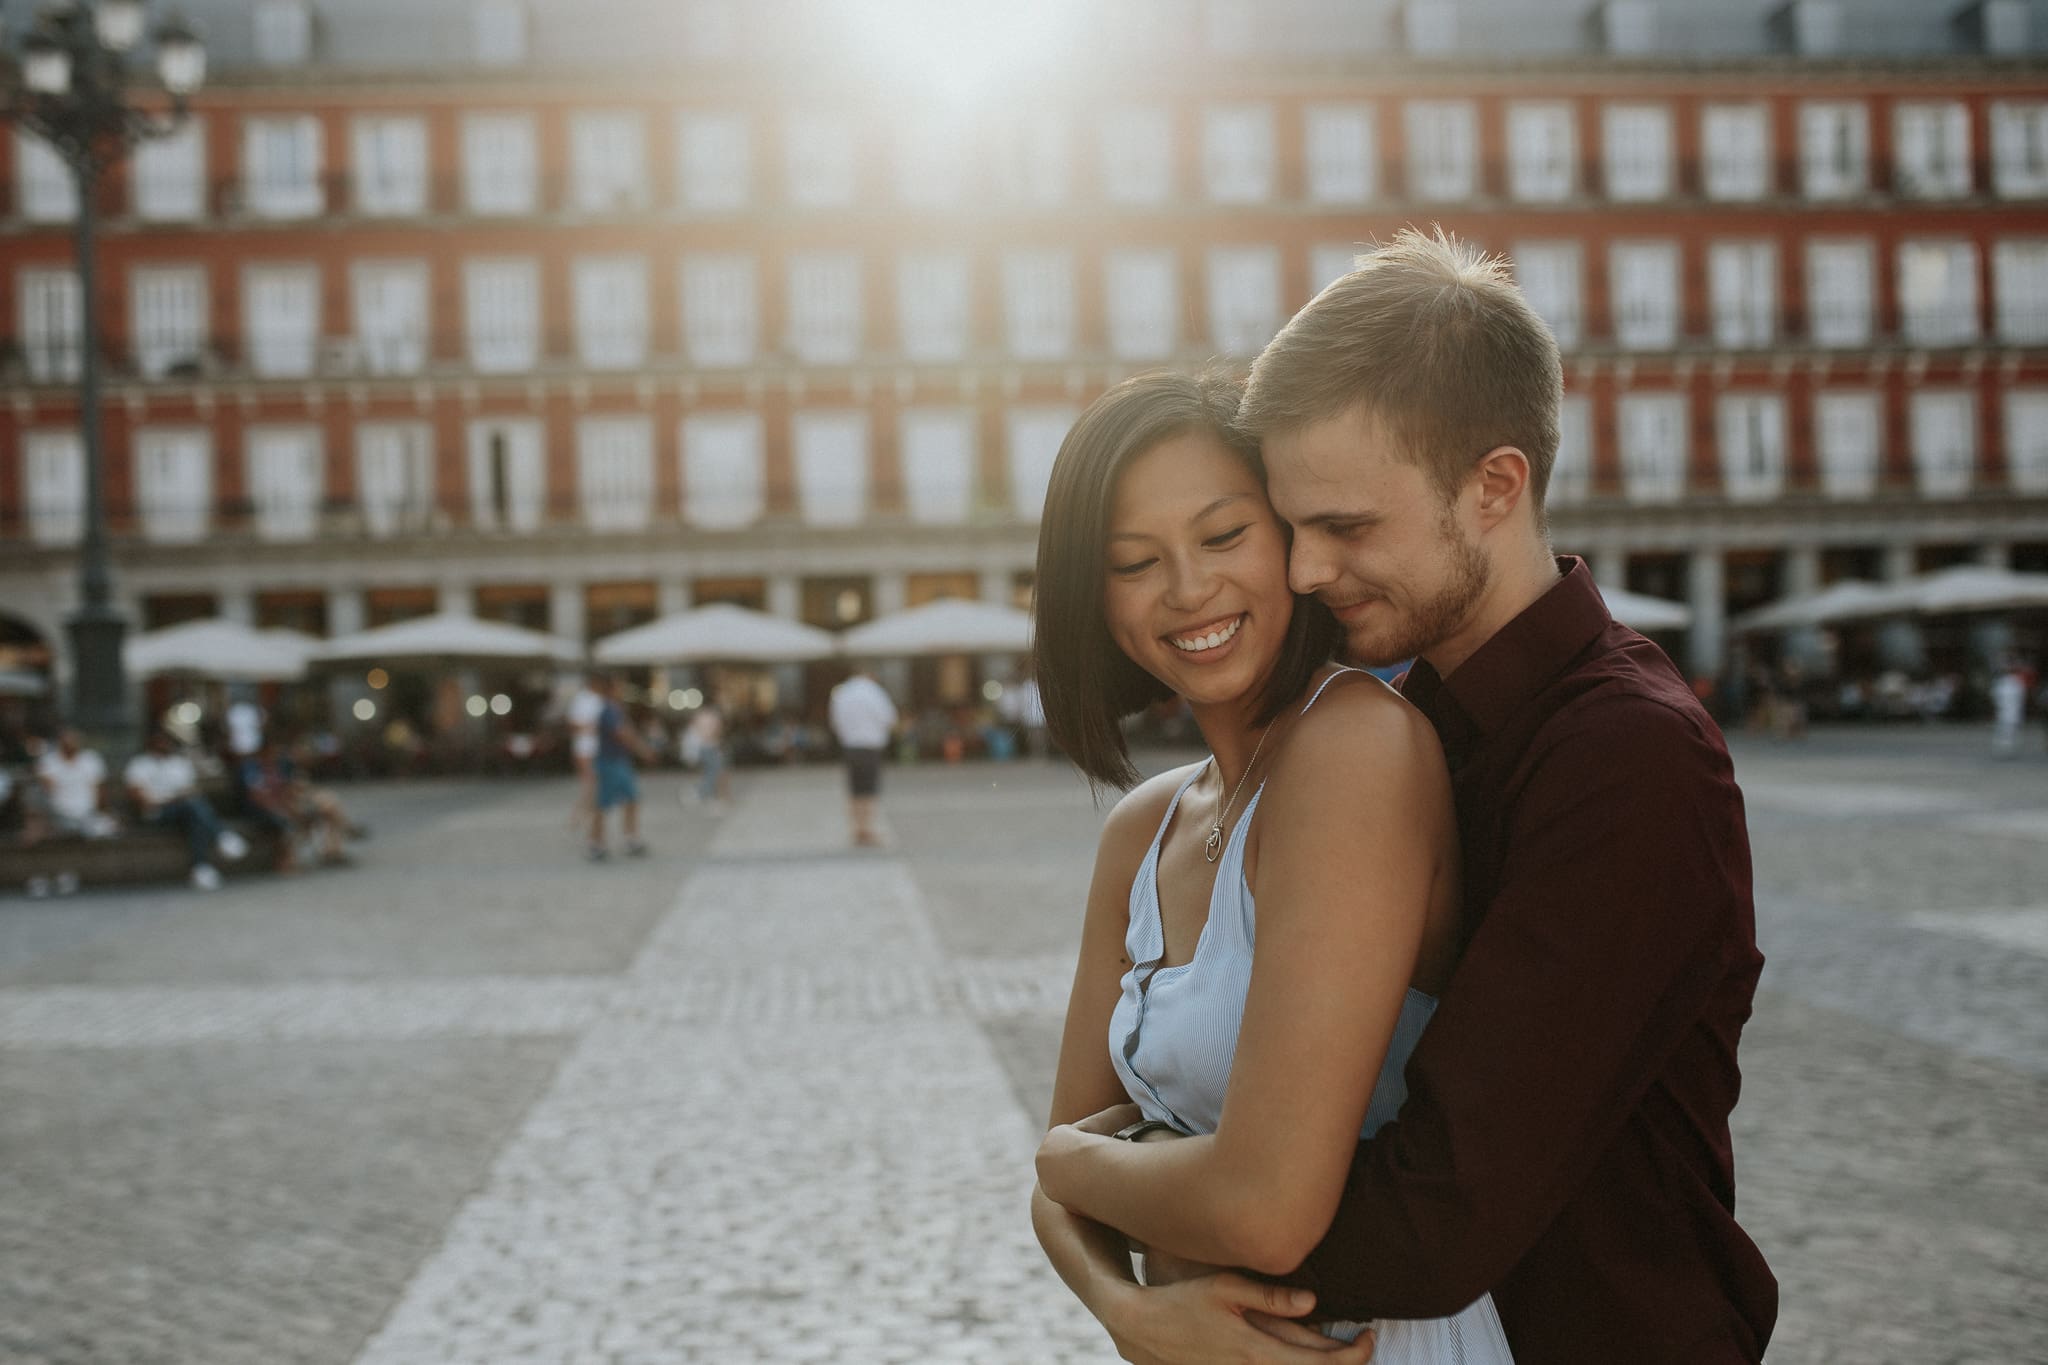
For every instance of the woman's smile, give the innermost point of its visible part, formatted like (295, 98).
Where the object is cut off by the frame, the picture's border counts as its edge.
(1209, 640)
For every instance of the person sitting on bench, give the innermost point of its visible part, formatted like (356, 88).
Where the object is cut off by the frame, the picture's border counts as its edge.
(165, 788)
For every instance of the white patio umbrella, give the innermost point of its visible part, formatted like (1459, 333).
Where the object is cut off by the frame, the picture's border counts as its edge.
(1850, 600)
(448, 638)
(950, 625)
(1977, 587)
(718, 633)
(220, 650)
(1640, 612)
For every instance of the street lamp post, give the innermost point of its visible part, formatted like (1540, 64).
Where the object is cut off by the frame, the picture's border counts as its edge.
(71, 88)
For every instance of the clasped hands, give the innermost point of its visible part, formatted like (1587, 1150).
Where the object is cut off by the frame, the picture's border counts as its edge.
(1186, 1312)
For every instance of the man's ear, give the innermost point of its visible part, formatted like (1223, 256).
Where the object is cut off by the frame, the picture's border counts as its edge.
(1502, 479)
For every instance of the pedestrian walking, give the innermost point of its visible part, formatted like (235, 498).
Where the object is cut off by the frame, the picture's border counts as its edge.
(617, 785)
(704, 749)
(863, 719)
(584, 709)
(2008, 708)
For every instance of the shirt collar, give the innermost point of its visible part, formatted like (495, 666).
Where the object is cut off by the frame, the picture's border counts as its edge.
(1517, 662)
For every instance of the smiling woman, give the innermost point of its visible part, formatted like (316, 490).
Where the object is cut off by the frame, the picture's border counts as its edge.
(1156, 551)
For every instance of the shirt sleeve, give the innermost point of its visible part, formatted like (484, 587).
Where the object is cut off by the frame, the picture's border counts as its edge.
(1622, 892)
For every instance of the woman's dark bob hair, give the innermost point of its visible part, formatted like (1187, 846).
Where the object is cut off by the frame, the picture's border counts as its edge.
(1087, 684)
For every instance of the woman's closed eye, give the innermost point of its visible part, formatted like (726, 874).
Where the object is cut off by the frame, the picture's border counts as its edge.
(1133, 568)
(1227, 538)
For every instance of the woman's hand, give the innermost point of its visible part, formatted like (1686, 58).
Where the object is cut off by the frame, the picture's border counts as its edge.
(1224, 1319)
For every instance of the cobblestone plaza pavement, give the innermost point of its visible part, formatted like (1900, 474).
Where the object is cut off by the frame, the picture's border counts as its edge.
(760, 1098)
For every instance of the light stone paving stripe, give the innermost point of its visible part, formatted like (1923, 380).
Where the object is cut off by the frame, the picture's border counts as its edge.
(842, 1180)
(2024, 929)
(1855, 801)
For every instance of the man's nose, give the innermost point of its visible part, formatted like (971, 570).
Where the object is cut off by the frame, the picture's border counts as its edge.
(1307, 569)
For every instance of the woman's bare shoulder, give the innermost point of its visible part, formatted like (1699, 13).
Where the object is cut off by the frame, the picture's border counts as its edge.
(1362, 728)
(1137, 814)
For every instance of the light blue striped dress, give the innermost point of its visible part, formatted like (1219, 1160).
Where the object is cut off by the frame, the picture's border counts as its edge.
(1174, 1032)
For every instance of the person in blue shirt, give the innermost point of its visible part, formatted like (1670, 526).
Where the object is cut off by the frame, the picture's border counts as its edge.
(617, 782)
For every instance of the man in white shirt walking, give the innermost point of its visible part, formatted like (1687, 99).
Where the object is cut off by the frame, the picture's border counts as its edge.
(863, 719)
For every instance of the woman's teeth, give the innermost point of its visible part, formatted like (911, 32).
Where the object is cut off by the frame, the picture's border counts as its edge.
(1195, 644)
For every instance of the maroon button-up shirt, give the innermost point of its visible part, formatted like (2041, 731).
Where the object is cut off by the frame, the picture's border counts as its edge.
(1565, 1141)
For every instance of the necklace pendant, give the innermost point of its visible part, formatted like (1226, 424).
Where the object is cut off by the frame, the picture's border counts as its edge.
(1212, 847)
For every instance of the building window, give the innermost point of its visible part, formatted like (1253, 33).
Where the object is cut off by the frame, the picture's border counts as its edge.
(1137, 155)
(2019, 269)
(714, 161)
(391, 315)
(1839, 279)
(1938, 292)
(1643, 279)
(168, 321)
(1552, 280)
(287, 475)
(1931, 150)
(611, 311)
(54, 492)
(607, 161)
(1038, 303)
(284, 32)
(501, 307)
(174, 484)
(825, 307)
(721, 308)
(1039, 157)
(391, 165)
(722, 478)
(497, 30)
(1443, 149)
(938, 465)
(281, 166)
(507, 474)
(1742, 281)
(498, 175)
(1636, 142)
(395, 477)
(1543, 152)
(52, 328)
(1571, 472)
(831, 451)
(1834, 149)
(168, 175)
(932, 308)
(1847, 433)
(1655, 446)
(2026, 440)
(1737, 138)
(931, 163)
(44, 189)
(1244, 298)
(1237, 153)
(2019, 149)
(819, 171)
(1034, 437)
(1329, 262)
(1944, 427)
(615, 472)
(1751, 434)
(281, 320)
(1340, 142)
(1142, 294)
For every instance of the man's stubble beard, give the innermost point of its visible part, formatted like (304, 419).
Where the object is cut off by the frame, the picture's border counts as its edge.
(1436, 619)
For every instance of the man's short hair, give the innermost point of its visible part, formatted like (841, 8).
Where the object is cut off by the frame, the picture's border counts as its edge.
(1435, 341)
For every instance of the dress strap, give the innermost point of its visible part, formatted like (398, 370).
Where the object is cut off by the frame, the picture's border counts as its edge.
(1341, 671)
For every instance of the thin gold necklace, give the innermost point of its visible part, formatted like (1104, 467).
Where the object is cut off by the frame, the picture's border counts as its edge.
(1212, 847)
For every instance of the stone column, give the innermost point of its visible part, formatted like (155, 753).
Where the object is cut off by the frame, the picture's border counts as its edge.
(1899, 642)
(565, 610)
(1802, 576)
(345, 611)
(1609, 563)
(457, 596)
(1706, 642)
(671, 595)
(238, 604)
(786, 599)
(891, 594)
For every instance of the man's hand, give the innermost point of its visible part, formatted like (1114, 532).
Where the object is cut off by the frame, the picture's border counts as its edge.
(1224, 1319)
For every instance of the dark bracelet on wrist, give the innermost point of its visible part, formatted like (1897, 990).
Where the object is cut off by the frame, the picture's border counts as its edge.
(1138, 1132)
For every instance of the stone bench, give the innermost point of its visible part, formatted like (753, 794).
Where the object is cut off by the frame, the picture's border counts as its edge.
(138, 854)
